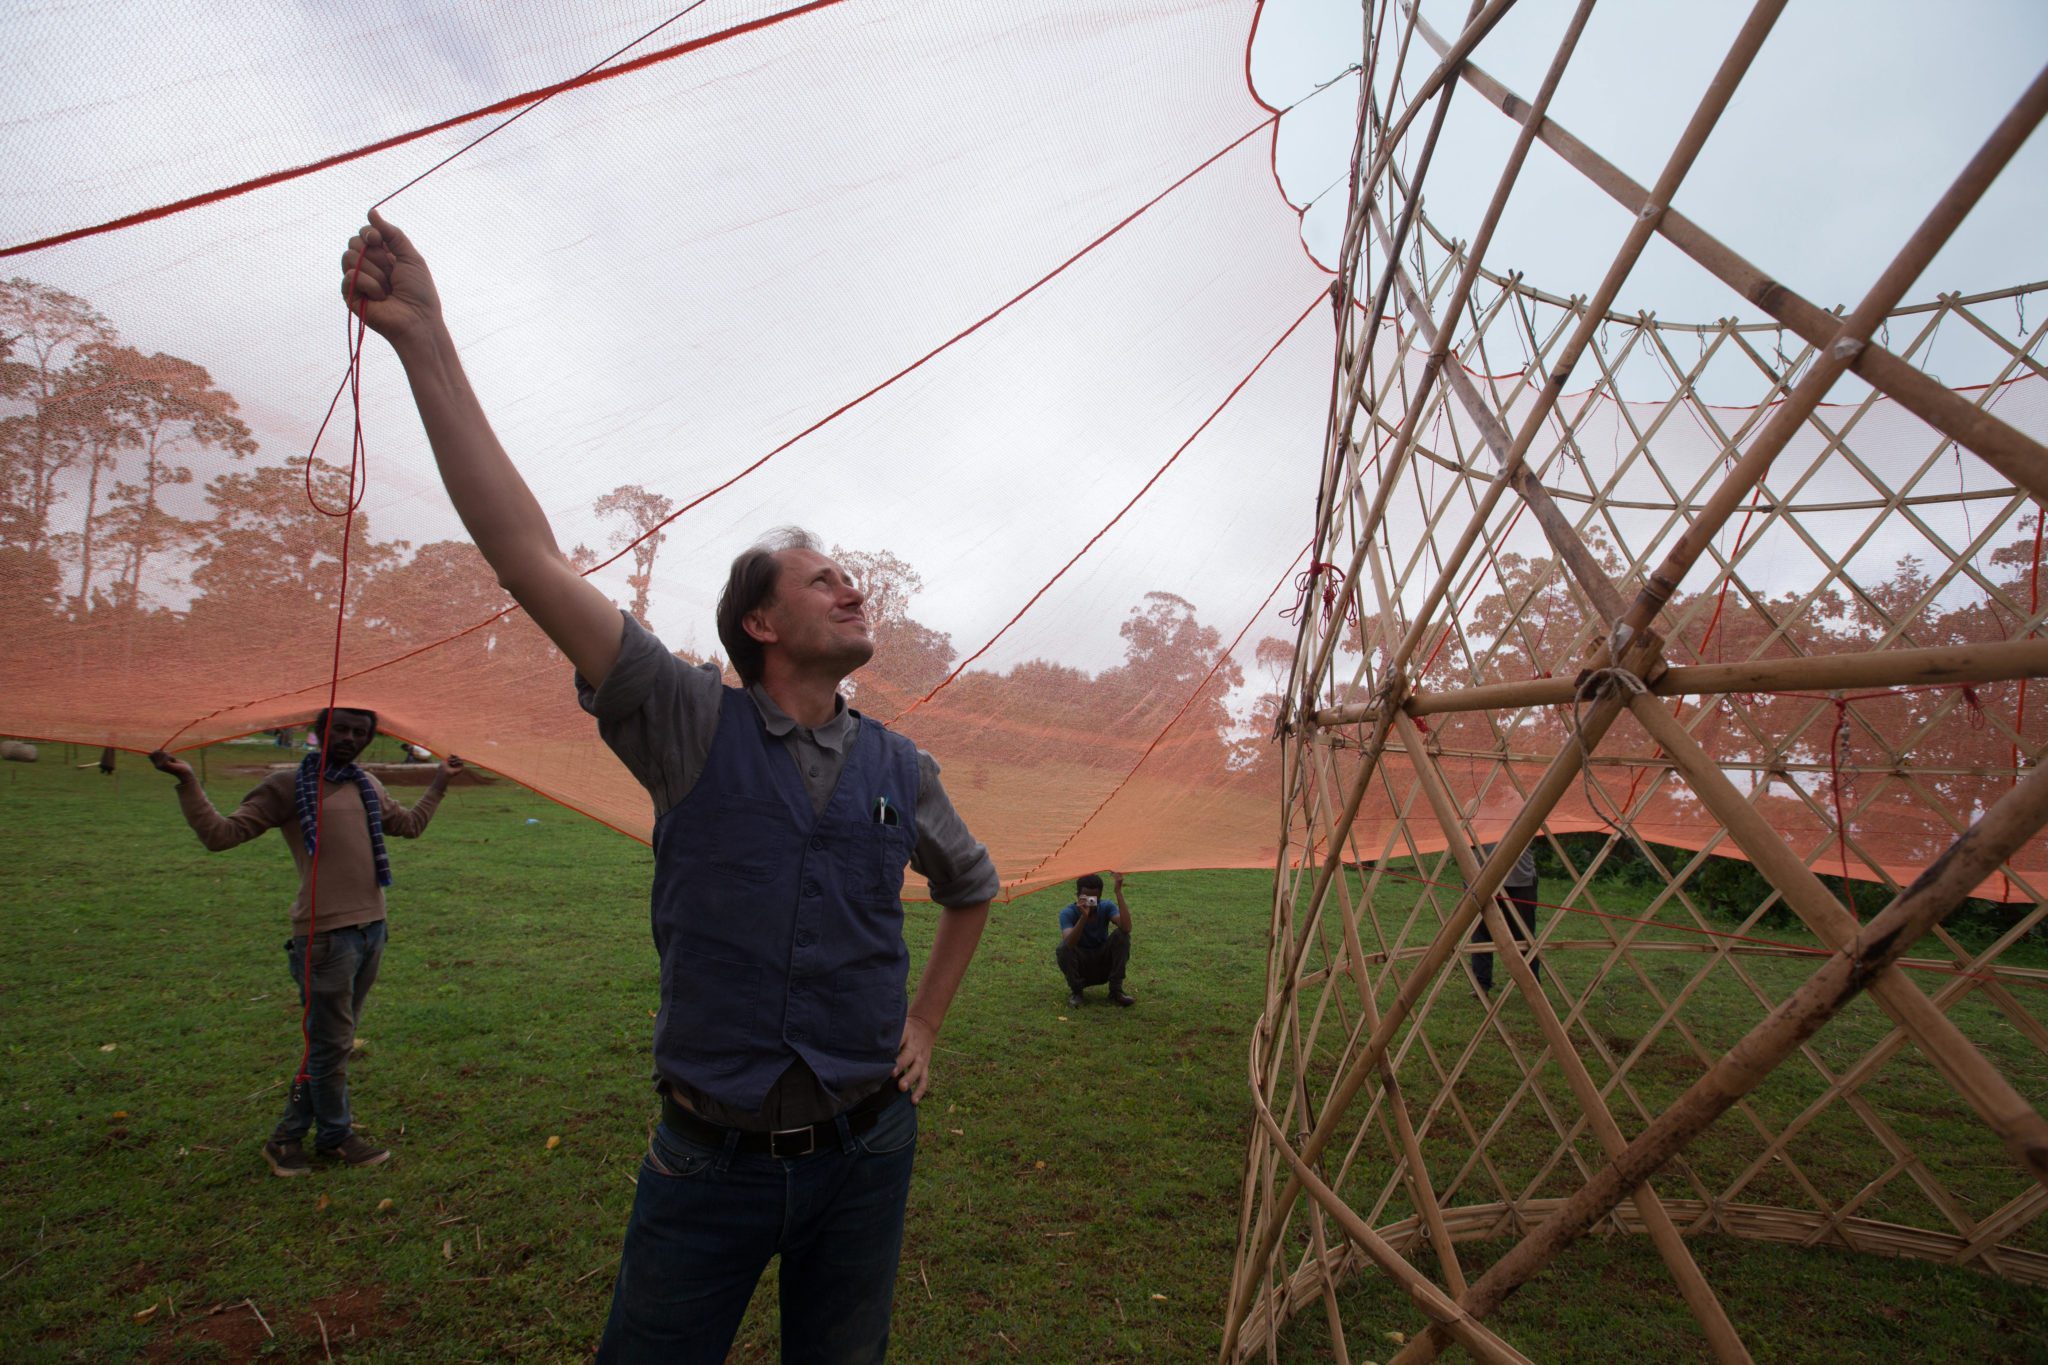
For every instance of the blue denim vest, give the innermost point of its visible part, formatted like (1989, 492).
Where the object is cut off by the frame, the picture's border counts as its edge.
(780, 931)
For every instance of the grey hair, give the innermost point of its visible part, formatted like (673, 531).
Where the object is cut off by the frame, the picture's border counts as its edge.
(789, 538)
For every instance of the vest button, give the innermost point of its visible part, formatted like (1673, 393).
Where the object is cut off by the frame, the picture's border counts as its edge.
(817, 845)
(803, 939)
(811, 889)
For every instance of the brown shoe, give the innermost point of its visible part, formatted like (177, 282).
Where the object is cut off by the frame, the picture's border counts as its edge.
(354, 1151)
(286, 1158)
(1119, 996)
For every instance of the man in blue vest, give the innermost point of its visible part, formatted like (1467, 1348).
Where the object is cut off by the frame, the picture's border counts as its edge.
(788, 1064)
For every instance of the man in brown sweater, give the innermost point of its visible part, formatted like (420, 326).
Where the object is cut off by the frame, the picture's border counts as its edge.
(344, 920)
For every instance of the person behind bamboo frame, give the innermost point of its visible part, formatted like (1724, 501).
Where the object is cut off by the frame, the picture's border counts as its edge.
(1519, 896)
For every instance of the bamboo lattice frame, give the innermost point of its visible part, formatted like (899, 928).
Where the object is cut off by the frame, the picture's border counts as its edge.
(1751, 1092)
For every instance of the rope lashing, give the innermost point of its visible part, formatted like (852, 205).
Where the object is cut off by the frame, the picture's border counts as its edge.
(1592, 685)
(1978, 720)
(1332, 577)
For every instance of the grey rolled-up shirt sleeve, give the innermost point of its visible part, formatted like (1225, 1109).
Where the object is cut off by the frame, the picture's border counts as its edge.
(660, 716)
(657, 713)
(955, 865)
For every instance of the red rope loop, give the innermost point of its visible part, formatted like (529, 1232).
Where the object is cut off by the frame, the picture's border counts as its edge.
(1304, 589)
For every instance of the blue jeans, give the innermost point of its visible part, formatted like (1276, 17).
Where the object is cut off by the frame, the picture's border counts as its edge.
(706, 1220)
(344, 968)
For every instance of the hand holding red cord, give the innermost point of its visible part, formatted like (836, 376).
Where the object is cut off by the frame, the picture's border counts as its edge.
(385, 282)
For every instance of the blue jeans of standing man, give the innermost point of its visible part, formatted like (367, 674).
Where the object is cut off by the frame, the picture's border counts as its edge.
(706, 1220)
(344, 968)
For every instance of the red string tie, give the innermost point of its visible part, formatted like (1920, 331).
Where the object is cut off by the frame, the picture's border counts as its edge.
(1976, 704)
(1305, 586)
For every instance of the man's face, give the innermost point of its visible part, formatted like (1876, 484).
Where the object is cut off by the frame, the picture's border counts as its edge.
(348, 734)
(817, 617)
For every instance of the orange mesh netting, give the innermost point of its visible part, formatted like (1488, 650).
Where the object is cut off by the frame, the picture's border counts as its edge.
(1000, 299)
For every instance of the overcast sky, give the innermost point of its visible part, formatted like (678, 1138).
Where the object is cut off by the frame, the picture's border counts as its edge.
(1856, 115)
(1854, 118)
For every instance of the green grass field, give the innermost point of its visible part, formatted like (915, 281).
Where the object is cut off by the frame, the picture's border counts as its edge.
(1076, 1196)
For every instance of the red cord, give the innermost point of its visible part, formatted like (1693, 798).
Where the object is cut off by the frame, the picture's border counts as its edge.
(1200, 687)
(1157, 474)
(358, 485)
(522, 102)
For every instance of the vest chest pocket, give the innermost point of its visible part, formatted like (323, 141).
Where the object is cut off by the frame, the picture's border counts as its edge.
(886, 850)
(748, 838)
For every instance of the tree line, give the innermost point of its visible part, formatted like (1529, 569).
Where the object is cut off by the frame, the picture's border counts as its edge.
(99, 442)
(104, 535)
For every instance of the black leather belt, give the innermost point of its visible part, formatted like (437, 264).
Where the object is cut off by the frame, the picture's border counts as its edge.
(786, 1142)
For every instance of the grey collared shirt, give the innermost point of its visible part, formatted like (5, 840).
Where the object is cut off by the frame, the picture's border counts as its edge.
(660, 716)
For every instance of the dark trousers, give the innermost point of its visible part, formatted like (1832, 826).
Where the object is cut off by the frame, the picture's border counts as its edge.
(1520, 913)
(707, 1218)
(345, 963)
(1095, 966)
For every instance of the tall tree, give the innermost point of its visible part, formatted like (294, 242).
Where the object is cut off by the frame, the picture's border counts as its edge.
(45, 329)
(87, 409)
(269, 560)
(909, 655)
(1254, 750)
(1171, 661)
(174, 410)
(41, 331)
(644, 513)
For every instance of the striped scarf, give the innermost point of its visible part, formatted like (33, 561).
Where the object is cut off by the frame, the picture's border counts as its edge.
(309, 795)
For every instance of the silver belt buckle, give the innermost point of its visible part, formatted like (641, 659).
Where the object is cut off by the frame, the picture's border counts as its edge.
(809, 1136)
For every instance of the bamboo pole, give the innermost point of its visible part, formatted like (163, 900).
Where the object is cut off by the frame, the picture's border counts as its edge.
(1441, 1308)
(2023, 1131)
(1479, 22)
(1981, 663)
(1461, 293)
(1748, 41)
(1563, 771)
(2015, 818)
(1692, 1285)
(1411, 1147)
(1851, 337)
(2017, 456)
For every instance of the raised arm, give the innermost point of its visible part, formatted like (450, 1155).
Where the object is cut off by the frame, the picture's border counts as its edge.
(385, 282)
(410, 822)
(260, 810)
(1123, 905)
